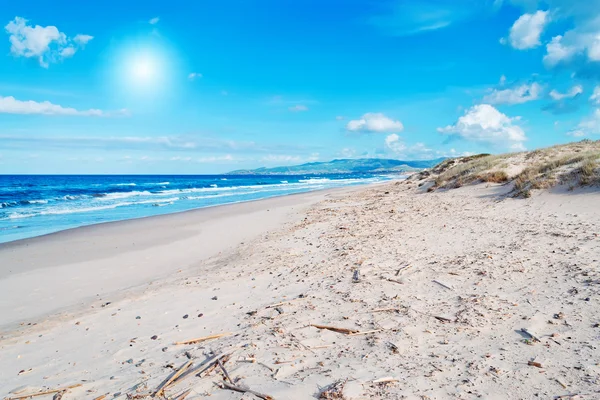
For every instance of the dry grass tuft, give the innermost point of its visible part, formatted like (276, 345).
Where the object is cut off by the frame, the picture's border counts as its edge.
(573, 164)
(495, 177)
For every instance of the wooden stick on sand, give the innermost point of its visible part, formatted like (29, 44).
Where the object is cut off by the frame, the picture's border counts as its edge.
(26, 396)
(246, 390)
(443, 285)
(204, 338)
(335, 329)
(161, 388)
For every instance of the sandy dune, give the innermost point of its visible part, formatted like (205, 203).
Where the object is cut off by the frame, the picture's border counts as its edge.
(450, 282)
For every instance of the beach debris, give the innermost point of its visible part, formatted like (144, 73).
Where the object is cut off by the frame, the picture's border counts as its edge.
(387, 379)
(214, 298)
(392, 280)
(224, 370)
(356, 276)
(161, 388)
(443, 285)
(25, 371)
(101, 397)
(185, 316)
(393, 347)
(365, 332)
(560, 383)
(154, 337)
(442, 319)
(530, 335)
(241, 389)
(335, 329)
(183, 395)
(334, 391)
(45, 392)
(534, 364)
(204, 338)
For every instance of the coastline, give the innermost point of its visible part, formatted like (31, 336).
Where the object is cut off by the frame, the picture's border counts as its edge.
(82, 254)
(448, 281)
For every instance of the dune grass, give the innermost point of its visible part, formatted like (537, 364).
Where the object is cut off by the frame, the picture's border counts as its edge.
(574, 164)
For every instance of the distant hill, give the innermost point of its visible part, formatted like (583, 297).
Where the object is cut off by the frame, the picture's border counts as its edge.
(344, 166)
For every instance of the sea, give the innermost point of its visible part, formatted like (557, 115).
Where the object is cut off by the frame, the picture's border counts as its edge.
(34, 205)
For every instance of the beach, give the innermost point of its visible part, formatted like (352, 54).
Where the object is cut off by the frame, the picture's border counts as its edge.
(384, 291)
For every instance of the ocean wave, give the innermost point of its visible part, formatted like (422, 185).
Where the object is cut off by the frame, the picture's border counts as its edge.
(123, 184)
(159, 183)
(61, 211)
(124, 195)
(315, 180)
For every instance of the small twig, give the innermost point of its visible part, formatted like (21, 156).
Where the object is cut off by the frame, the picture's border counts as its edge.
(535, 364)
(392, 280)
(365, 332)
(386, 309)
(443, 285)
(246, 390)
(224, 370)
(161, 388)
(335, 329)
(204, 338)
(51, 391)
(387, 379)
(183, 395)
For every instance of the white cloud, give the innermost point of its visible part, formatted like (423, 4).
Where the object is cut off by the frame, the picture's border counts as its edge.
(525, 32)
(502, 80)
(485, 124)
(298, 108)
(10, 105)
(557, 52)
(154, 21)
(47, 44)
(417, 151)
(589, 126)
(194, 75)
(595, 97)
(574, 91)
(82, 39)
(374, 123)
(517, 95)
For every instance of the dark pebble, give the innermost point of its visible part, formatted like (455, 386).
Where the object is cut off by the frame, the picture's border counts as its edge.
(154, 337)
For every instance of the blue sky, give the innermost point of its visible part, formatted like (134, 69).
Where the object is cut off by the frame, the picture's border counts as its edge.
(207, 87)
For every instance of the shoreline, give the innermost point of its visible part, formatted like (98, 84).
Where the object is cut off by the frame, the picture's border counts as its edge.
(71, 263)
(3, 244)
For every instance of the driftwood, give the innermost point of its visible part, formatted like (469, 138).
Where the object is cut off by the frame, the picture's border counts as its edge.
(51, 391)
(387, 379)
(335, 329)
(443, 285)
(161, 388)
(365, 332)
(283, 302)
(203, 366)
(100, 397)
(443, 319)
(204, 338)
(246, 390)
(183, 395)
(392, 280)
(535, 364)
(402, 269)
(386, 309)
(224, 370)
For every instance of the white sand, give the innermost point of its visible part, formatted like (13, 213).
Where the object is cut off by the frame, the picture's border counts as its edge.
(511, 264)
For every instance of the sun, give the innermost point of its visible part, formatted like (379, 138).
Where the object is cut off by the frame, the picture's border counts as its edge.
(143, 69)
